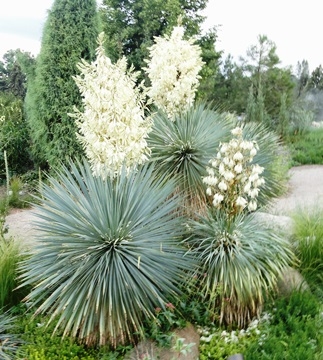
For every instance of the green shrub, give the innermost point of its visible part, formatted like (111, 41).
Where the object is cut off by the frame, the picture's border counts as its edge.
(295, 331)
(109, 252)
(307, 148)
(13, 136)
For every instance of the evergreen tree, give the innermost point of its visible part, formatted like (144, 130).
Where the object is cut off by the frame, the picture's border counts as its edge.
(283, 118)
(251, 106)
(69, 34)
(12, 75)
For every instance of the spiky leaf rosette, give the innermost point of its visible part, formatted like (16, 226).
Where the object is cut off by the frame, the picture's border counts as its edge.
(239, 264)
(182, 148)
(108, 253)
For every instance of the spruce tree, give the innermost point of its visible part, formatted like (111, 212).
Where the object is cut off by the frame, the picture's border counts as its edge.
(69, 34)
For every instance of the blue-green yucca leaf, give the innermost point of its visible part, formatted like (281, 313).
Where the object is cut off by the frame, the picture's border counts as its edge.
(182, 148)
(8, 342)
(239, 264)
(109, 252)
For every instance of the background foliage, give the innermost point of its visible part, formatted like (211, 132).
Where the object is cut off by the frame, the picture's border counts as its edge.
(69, 34)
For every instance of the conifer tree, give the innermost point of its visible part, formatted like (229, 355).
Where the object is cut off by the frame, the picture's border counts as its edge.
(69, 34)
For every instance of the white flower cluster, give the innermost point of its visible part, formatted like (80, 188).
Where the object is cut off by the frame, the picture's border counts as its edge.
(232, 180)
(235, 336)
(173, 71)
(112, 126)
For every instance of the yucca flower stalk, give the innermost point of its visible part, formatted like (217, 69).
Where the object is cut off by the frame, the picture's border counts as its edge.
(233, 181)
(113, 126)
(109, 252)
(173, 67)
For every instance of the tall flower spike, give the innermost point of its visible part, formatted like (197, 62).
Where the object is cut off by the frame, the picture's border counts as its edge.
(232, 181)
(173, 71)
(112, 127)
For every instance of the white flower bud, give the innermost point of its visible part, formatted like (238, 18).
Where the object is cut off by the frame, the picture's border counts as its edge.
(253, 152)
(228, 175)
(238, 156)
(253, 193)
(222, 186)
(238, 168)
(242, 202)
(236, 131)
(217, 199)
(252, 206)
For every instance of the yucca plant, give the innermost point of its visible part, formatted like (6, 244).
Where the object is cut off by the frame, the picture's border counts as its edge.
(109, 252)
(239, 263)
(182, 148)
(8, 342)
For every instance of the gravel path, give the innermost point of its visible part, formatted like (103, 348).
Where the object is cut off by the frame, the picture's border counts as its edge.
(305, 191)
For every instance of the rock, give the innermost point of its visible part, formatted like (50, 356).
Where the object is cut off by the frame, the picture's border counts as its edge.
(290, 280)
(148, 350)
(278, 223)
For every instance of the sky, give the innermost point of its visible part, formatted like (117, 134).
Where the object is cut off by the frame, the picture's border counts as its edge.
(293, 26)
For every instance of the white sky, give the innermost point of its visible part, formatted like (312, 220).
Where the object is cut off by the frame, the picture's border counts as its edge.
(293, 25)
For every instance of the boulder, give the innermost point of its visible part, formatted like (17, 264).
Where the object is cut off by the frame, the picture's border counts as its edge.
(291, 280)
(148, 350)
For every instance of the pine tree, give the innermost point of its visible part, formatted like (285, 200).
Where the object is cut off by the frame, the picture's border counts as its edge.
(69, 34)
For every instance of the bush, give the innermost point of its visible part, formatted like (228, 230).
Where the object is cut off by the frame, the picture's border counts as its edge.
(13, 136)
(295, 331)
(109, 253)
(307, 148)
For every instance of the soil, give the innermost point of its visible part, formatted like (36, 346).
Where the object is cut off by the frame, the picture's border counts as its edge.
(305, 190)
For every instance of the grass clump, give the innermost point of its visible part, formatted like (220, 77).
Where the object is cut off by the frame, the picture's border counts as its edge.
(308, 243)
(9, 257)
